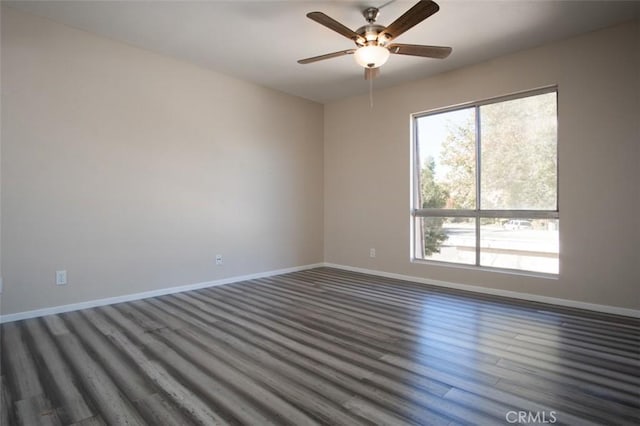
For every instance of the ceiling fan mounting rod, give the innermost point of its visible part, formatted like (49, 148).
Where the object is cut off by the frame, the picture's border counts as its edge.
(371, 14)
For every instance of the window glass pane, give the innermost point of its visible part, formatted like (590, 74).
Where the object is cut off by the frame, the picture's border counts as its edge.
(518, 154)
(446, 156)
(517, 144)
(447, 239)
(529, 245)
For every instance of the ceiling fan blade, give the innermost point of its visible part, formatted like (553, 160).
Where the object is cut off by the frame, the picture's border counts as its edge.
(439, 52)
(334, 25)
(371, 73)
(327, 56)
(418, 13)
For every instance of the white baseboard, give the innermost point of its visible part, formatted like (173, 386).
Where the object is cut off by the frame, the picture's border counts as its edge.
(476, 289)
(146, 294)
(497, 292)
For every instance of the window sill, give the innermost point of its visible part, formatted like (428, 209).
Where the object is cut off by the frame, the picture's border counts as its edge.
(531, 274)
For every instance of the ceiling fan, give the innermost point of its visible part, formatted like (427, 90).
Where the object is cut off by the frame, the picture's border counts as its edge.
(373, 40)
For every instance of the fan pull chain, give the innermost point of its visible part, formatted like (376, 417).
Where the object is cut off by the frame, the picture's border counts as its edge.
(371, 93)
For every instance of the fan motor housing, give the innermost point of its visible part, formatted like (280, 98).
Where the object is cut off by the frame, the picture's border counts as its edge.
(369, 35)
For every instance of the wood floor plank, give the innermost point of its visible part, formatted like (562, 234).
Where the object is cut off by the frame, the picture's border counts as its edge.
(503, 345)
(583, 361)
(506, 403)
(371, 411)
(37, 410)
(576, 404)
(218, 344)
(91, 421)
(344, 350)
(183, 397)
(126, 374)
(446, 306)
(480, 303)
(307, 345)
(73, 404)
(576, 349)
(6, 403)
(123, 373)
(444, 365)
(113, 405)
(420, 388)
(327, 353)
(18, 363)
(285, 412)
(156, 410)
(335, 382)
(221, 395)
(320, 346)
(451, 311)
(605, 390)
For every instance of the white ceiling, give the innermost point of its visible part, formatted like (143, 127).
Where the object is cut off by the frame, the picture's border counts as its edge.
(261, 40)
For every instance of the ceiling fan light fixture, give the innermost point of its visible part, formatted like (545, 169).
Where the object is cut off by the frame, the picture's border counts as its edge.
(371, 56)
(374, 42)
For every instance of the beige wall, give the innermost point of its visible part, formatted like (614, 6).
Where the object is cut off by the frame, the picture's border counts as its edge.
(598, 75)
(132, 170)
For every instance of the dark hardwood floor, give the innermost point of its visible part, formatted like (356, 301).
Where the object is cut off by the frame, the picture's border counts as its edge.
(322, 347)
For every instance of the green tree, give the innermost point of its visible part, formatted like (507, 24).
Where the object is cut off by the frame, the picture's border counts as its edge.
(519, 161)
(432, 195)
(459, 157)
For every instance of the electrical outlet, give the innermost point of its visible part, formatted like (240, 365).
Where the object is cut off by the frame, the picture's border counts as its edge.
(372, 252)
(61, 277)
(218, 259)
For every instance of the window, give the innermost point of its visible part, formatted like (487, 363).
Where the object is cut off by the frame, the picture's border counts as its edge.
(486, 184)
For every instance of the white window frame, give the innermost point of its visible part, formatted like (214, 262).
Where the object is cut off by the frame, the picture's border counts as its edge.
(477, 213)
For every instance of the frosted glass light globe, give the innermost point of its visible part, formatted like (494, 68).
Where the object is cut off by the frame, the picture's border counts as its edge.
(371, 56)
